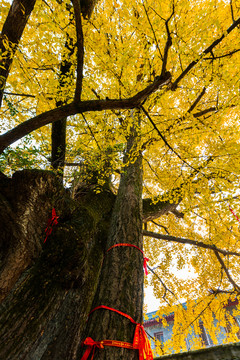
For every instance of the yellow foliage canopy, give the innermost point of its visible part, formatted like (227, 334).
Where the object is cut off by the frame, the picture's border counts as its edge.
(190, 136)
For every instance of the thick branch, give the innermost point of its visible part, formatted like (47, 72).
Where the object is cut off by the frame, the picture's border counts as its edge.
(192, 107)
(76, 108)
(168, 43)
(190, 242)
(59, 127)
(80, 48)
(11, 34)
(212, 109)
(58, 150)
(205, 52)
(205, 111)
(153, 211)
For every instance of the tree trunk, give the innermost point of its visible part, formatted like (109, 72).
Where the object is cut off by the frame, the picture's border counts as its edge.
(48, 289)
(44, 314)
(11, 34)
(58, 136)
(121, 281)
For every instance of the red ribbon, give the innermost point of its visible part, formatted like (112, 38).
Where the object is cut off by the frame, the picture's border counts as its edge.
(140, 340)
(52, 221)
(145, 260)
(91, 347)
(234, 213)
(141, 343)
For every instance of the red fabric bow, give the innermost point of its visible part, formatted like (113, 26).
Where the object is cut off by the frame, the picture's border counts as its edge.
(91, 347)
(52, 221)
(140, 340)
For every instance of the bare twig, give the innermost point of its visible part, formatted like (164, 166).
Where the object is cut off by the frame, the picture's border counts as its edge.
(205, 111)
(192, 107)
(18, 94)
(190, 242)
(163, 284)
(236, 287)
(161, 226)
(222, 56)
(232, 13)
(219, 291)
(164, 139)
(154, 34)
(89, 127)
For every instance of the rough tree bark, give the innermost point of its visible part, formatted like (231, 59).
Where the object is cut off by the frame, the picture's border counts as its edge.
(48, 289)
(121, 281)
(11, 34)
(43, 315)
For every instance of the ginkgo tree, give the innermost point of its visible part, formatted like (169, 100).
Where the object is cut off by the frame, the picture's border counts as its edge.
(134, 108)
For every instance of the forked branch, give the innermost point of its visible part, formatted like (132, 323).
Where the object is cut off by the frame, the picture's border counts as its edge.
(79, 107)
(208, 50)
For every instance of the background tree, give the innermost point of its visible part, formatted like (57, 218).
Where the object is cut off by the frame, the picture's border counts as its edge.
(176, 65)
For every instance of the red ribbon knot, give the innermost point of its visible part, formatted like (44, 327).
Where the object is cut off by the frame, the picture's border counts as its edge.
(91, 347)
(140, 340)
(52, 221)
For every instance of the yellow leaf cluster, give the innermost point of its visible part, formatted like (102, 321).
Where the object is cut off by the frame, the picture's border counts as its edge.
(196, 165)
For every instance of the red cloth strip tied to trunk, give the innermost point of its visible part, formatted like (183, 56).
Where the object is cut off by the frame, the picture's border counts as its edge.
(52, 221)
(234, 213)
(92, 345)
(140, 340)
(145, 260)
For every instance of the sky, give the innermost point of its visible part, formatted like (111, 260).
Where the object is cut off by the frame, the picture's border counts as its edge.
(150, 300)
